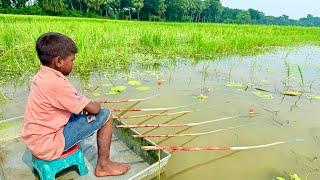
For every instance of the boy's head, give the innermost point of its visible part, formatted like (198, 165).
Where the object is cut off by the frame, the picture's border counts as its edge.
(57, 51)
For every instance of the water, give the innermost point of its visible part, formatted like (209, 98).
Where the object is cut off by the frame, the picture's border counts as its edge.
(280, 118)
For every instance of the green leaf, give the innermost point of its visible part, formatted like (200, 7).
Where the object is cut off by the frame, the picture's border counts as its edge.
(3, 126)
(291, 93)
(294, 177)
(263, 95)
(134, 83)
(113, 92)
(118, 88)
(313, 96)
(280, 178)
(143, 88)
(96, 94)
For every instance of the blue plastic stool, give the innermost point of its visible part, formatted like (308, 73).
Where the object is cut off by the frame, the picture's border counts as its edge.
(47, 170)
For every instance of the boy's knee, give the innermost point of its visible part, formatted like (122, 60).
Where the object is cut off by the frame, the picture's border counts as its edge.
(104, 115)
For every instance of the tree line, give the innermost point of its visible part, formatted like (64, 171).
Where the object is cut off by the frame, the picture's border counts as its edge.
(151, 10)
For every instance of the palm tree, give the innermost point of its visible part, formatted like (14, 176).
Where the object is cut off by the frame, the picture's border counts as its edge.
(138, 4)
(55, 6)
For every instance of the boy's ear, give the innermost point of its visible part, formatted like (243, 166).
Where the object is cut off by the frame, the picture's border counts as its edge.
(58, 61)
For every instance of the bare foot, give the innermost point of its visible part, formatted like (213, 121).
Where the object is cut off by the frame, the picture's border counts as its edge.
(111, 169)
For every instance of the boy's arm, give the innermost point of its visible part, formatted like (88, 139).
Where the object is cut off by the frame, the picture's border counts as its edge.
(92, 108)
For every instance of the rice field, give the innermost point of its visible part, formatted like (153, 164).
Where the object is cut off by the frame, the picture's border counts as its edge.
(116, 44)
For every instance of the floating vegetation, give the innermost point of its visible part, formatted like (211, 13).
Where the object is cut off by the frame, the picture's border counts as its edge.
(291, 177)
(96, 94)
(291, 93)
(116, 90)
(201, 97)
(234, 85)
(143, 88)
(263, 95)
(3, 126)
(134, 83)
(313, 96)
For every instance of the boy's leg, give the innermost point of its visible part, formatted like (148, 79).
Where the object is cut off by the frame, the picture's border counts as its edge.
(106, 167)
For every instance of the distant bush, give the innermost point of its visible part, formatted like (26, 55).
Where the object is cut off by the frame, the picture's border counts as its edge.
(36, 10)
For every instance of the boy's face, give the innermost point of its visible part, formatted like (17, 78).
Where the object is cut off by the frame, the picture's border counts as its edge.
(66, 64)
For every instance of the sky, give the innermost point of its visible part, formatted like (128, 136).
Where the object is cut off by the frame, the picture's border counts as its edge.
(295, 9)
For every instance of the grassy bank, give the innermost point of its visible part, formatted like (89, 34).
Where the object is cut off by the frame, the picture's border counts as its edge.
(114, 44)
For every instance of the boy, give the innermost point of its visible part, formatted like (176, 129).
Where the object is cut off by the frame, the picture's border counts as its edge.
(53, 122)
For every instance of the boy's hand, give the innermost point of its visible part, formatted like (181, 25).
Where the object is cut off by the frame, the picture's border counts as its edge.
(92, 108)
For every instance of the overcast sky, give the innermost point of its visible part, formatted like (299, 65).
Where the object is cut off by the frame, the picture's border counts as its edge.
(295, 9)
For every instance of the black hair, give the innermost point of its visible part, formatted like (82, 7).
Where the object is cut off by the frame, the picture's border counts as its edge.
(53, 44)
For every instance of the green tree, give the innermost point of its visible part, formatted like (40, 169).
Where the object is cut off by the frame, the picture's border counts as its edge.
(174, 10)
(94, 4)
(150, 9)
(138, 4)
(6, 3)
(54, 6)
(161, 9)
(213, 10)
(243, 17)
(256, 15)
(199, 7)
(114, 5)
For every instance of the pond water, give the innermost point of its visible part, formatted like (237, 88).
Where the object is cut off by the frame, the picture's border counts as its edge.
(228, 87)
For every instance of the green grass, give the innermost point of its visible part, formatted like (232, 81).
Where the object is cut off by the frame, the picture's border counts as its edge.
(115, 44)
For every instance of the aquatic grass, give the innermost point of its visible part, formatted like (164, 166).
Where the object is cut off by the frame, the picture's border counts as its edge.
(301, 76)
(116, 44)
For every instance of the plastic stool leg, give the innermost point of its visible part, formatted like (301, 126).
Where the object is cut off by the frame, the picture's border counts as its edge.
(48, 173)
(83, 170)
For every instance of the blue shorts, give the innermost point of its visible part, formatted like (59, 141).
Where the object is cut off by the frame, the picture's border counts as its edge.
(78, 127)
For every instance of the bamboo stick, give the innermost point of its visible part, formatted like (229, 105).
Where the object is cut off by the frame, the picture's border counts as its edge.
(170, 120)
(217, 148)
(126, 100)
(190, 134)
(152, 115)
(153, 109)
(148, 119)
(126, 110)
(176, 125)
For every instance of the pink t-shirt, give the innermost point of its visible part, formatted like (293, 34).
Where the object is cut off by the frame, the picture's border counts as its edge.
(52, 100)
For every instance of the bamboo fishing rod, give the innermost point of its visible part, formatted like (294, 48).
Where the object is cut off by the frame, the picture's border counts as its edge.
(177, 125)
(126, 100)
(190, 134)
(152, 109)
(152, 115)
(217, 148)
